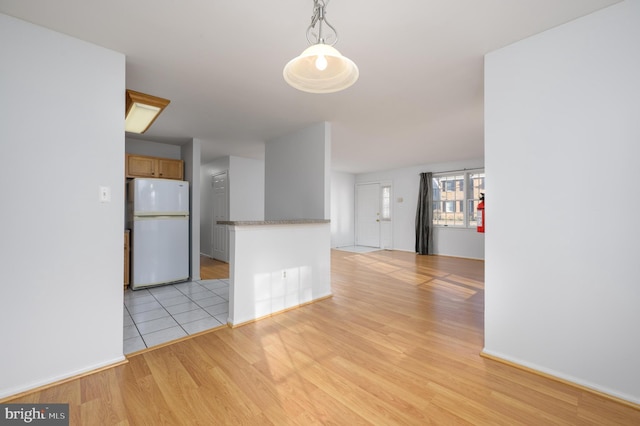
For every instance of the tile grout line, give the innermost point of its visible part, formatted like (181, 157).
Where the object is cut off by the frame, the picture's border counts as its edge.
(159, 301)
(165, 308)
(135, 325)
(202, 307)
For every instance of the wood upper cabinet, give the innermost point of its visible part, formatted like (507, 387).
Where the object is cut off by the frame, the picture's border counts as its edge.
(153, 167)
(170, 169)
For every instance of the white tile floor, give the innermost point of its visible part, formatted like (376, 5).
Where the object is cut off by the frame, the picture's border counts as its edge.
(160, 314)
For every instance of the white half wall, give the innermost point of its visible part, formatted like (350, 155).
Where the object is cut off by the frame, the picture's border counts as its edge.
(562, 145)
(277, 267)
(62, 259)
(298, 174)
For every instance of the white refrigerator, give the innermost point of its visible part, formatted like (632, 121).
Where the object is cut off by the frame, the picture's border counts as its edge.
(158, 216)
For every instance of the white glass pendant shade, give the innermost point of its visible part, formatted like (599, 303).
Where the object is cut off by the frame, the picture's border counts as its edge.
(321, 69)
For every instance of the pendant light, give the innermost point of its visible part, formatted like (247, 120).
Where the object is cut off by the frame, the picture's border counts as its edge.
(320, 68)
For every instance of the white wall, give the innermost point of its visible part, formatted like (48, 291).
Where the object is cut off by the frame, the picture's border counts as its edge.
(562, 147)
(152, 149)
(342, 209)
(190, 153)
(62, 260)
(298, 174)
(405, 186)
(246, 186)
(245, 181)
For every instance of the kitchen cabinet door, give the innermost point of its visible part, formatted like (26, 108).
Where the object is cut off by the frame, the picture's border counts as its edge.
(140, 166)
(170, 169)
(153, 167)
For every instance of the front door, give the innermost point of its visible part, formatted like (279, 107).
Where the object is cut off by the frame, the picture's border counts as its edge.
(220, 233)
(368, 215)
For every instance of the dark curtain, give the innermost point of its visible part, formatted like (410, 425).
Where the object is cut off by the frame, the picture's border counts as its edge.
(424, 215)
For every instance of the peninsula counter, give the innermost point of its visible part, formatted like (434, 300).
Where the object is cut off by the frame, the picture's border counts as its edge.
(276, 265)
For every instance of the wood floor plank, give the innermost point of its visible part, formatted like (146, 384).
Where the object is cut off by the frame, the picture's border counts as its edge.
(465, 281)
(211, 269)
(398, 344)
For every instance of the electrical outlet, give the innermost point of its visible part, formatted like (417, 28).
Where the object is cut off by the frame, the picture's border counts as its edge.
(284, 274)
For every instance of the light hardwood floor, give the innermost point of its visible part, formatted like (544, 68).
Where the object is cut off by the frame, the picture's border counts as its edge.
(211, 269)
(398, 344)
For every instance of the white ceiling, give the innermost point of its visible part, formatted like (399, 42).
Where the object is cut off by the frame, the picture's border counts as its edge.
(419, 98)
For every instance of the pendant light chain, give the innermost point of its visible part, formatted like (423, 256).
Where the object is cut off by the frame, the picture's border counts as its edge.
(319, 18)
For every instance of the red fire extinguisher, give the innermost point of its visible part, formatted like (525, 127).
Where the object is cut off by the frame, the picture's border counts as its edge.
(481, 218)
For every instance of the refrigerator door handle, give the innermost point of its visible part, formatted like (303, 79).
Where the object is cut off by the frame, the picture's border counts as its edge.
(162, 217)
(156, 214)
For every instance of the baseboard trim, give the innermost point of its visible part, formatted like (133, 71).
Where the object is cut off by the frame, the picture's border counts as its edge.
(616, 399)
(458, 257)
(436, 254)
(179, 339)
(62, 381)
(319, 299)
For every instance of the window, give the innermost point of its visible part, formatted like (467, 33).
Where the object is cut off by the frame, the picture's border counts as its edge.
(476, 189)
(386, 202)
(456, 197)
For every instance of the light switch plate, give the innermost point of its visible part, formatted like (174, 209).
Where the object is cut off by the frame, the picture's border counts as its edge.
(105, 194)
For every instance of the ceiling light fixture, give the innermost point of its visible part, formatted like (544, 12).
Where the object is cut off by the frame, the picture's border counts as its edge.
(141, 110)
(320, 68)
